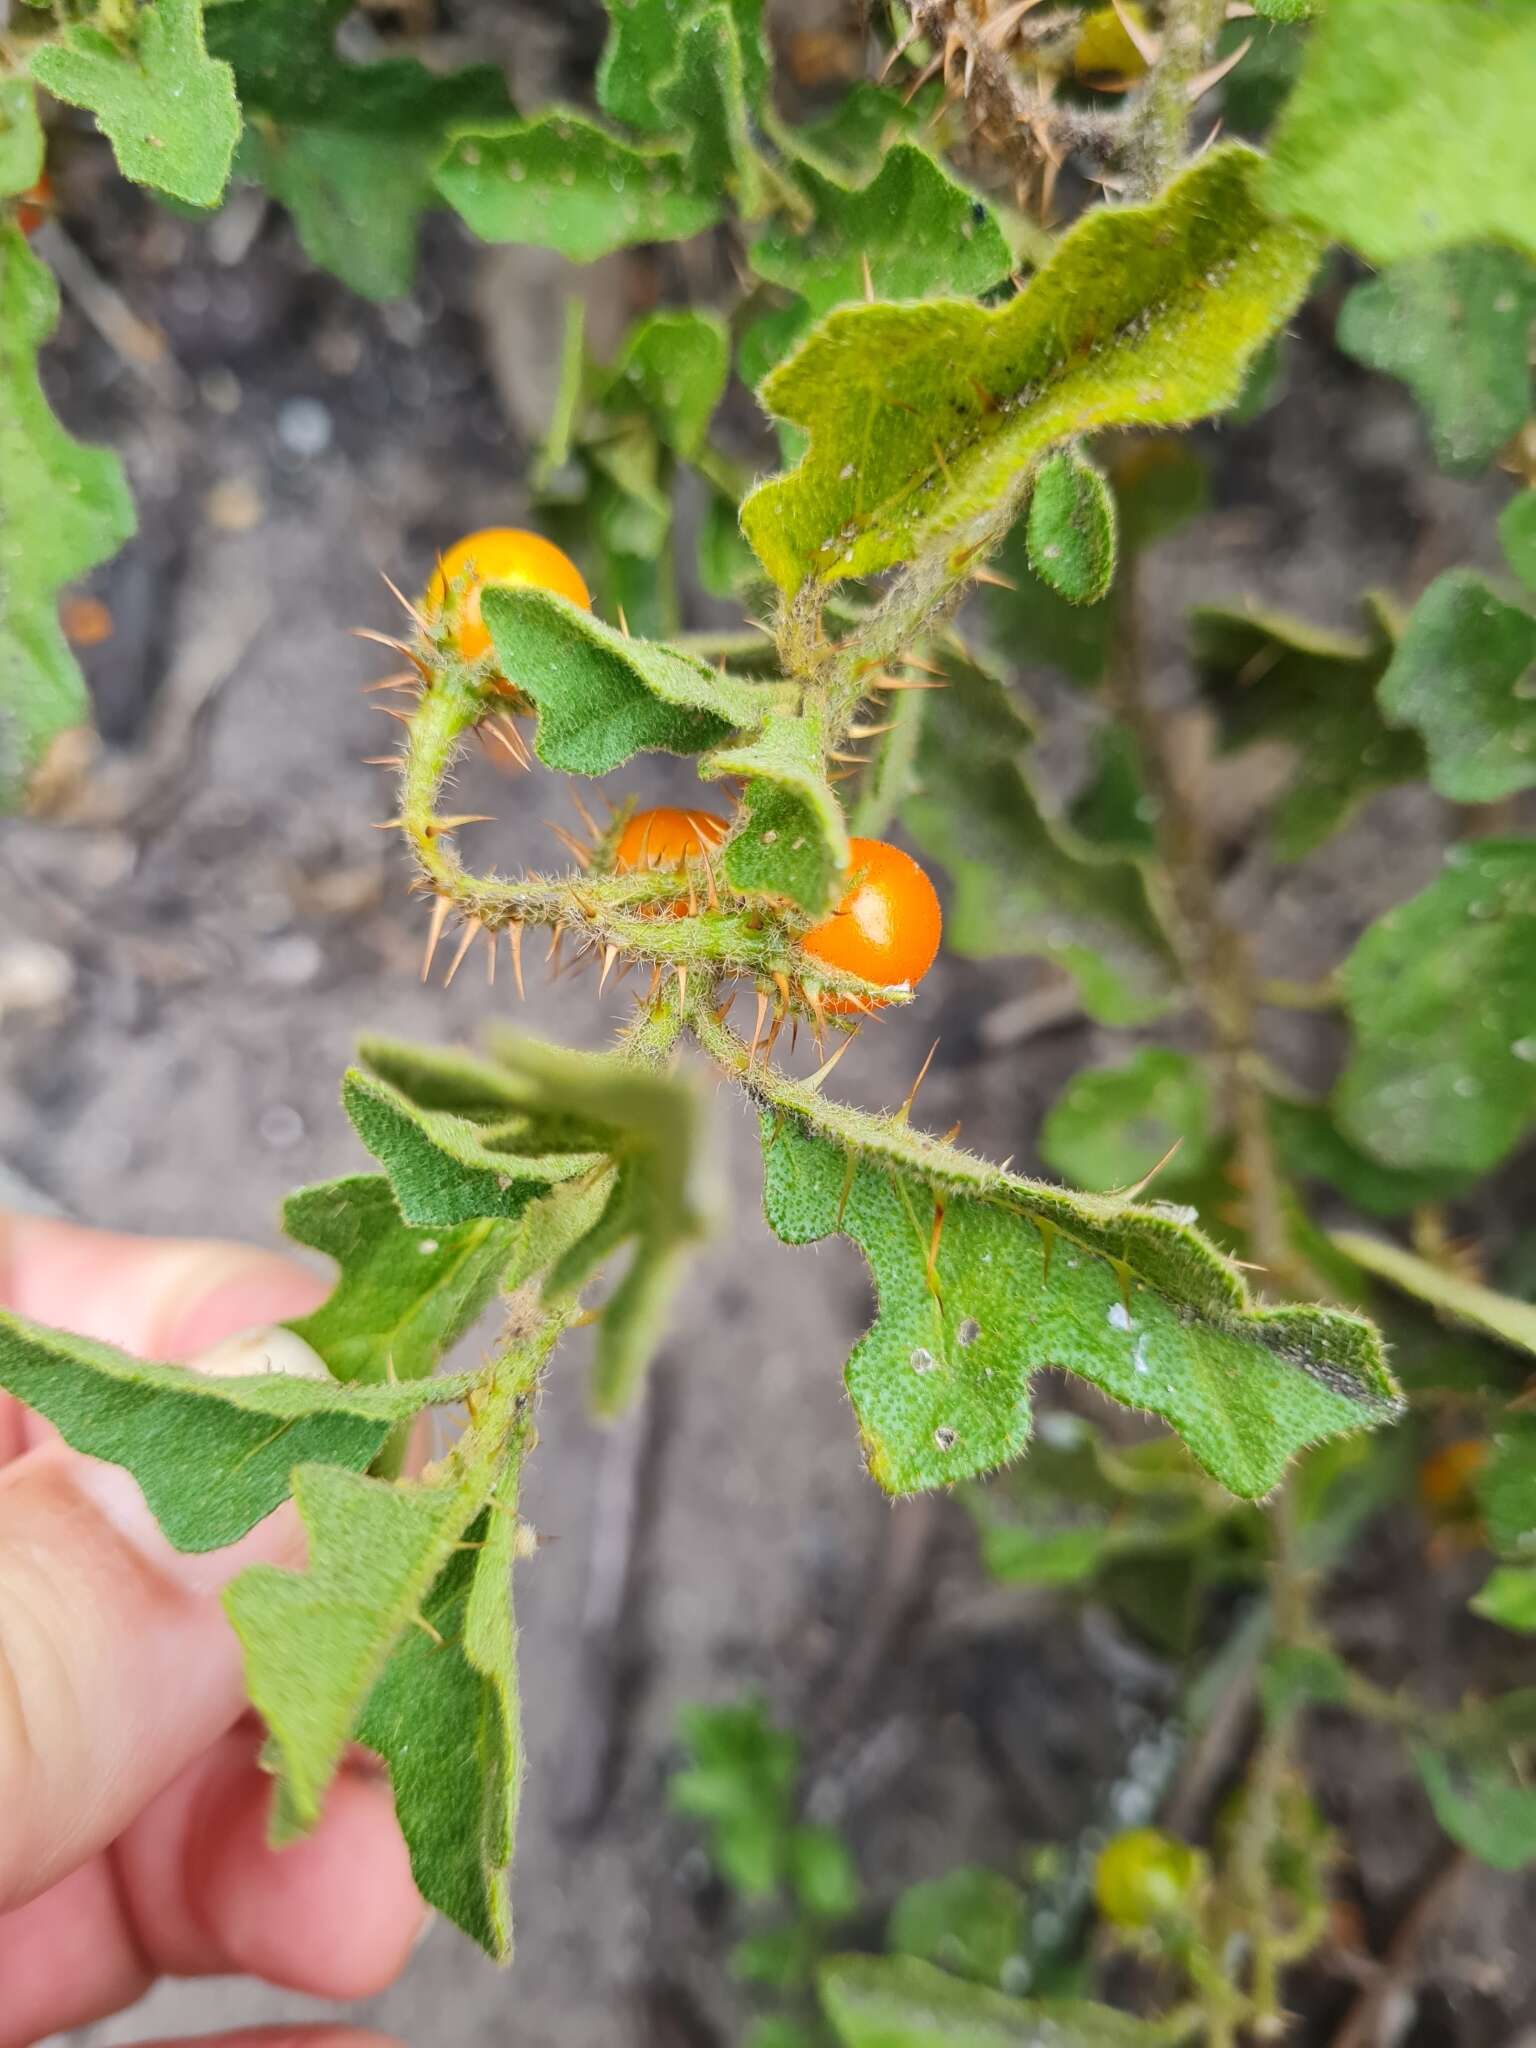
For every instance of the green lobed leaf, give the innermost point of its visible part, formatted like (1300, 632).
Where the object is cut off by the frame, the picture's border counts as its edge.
(1112, 811)
(1287, 10)
(740, 1779)
(561, 183)
(1401, 108)
(1456, 328)
(861, 128)
(402, 1297)
(349, 149)
(675, 364)
(1517, 537)
(21, 137)
(704, 100)
(970, 1922)
(1506, 1489)
(920, 232)
(1027, 1276)
(901, 2002)
(1312, 1147)
(315, 1642)
(1112, 1125)
(793, 840)
(213, 1456)
(1464, 676)
(90, 515)
(1479, 1792)
(1023, 884)
(610, 1144)
(1076, 1505)
(649, 1123)
(1268, 677)
(1511, 1321)
(167, 108)
(602, 697)
(641, 54)
(1144, 314)
(1069, 528)
(1508, 1597)
(1435, 1080)
(444, 1717)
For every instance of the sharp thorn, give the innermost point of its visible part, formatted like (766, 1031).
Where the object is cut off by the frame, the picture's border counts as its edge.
(922, 1074)
(994, 577)
(1148, 47)
(582, 855)
(869, 280)
(827, 1065)
(584, 814)
(472, 932)
(757, 1026)
(610, 954)
(623, 622)
(1200, 85)
(1130, 1193)
(440, 908)
(515, 941)
(869, 732)
(399, 595)
(389, 711)
(951, 1134)
(682, 988)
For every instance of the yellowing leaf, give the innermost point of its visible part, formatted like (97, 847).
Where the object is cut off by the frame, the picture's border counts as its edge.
(923, 418)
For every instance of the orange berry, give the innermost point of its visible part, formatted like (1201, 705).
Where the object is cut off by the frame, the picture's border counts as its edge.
(500, 554)
(887, 926)
(1448, 1476)
(667, 838)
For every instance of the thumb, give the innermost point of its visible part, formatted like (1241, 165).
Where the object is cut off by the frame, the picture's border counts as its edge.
(117, 1666)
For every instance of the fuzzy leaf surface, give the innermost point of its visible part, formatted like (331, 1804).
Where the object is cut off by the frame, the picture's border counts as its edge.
(1070, 528)
(1023, 885)
(349, 149)
(1267, 677)
(561, 183)
(921, 233)
(641, 54)
(213, 1456)
(1027, 1275)
(444, 1717)
(21, 137)
(1464, 676)
(1111, 1125)
(704, 100)
(1401, 107)
(603, 698)
(1507, 1490)
(1456, 328)
(402, 1297)
(90, 515)
(1478, 1788)
(1436, 1080)
(316, 1641)
(1144, 314)
(167, 108)
(675, 365)
(1312, 1147)
(1503, 1316)
(611, 1145)
(794, 839)
(901, 2002)
(971, 1922)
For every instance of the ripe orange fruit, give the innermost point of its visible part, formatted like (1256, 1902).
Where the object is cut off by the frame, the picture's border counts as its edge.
(1448, 1477)
(887, 926)
(500, 554)
(667, 838)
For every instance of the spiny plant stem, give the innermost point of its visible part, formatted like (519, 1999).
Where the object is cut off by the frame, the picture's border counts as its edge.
(1160, 124)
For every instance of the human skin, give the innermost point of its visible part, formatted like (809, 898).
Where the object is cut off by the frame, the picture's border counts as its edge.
(134, 1838)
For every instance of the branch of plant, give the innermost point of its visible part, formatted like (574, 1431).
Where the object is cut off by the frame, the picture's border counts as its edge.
(1160, 120)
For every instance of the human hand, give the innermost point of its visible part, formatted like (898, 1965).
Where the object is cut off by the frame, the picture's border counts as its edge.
(133, 1840)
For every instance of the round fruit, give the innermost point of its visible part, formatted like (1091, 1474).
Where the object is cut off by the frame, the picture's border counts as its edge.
(1105, 47)
(1448, 1477)
(887, 926)
(34, 205)
(1144, 1876)
(667, 838)
(500, 554)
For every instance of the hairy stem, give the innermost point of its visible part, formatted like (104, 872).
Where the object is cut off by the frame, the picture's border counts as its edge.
(1160, 125)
